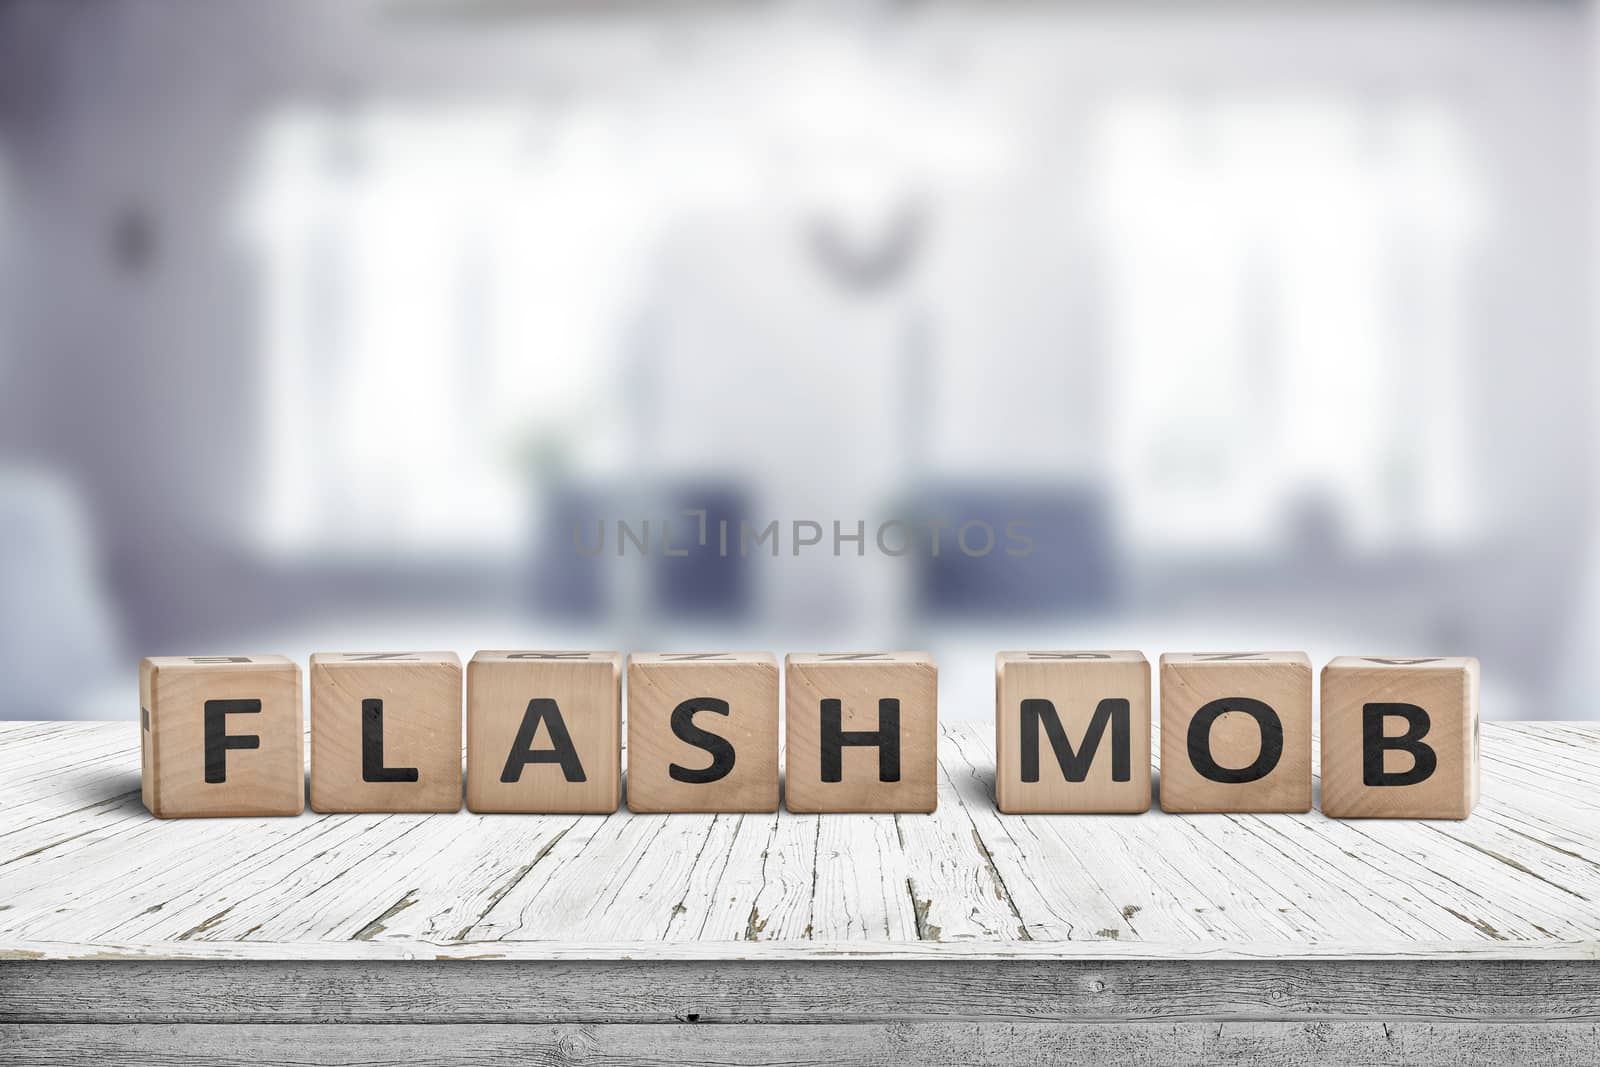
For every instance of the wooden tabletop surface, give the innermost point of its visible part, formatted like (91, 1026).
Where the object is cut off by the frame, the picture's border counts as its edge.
(85, 872)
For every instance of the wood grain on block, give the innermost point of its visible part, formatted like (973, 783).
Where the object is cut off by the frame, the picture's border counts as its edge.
(1400, 737)
(544, 732)
(1235, 731)
(221, 735)
(862, 731)
(702, 732)
(1072, 732)
(385, 731)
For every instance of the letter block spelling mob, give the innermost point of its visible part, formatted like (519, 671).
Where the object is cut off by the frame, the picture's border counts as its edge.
(1235, 731)
(1400, 737)
(1072, 732)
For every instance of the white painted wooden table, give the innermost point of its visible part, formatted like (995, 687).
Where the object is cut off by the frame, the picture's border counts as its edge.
(959, 937)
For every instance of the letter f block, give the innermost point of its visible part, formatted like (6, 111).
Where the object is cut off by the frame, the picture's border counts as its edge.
(221, 735)
(1072, 732)
(862, 730)
(1400, 737)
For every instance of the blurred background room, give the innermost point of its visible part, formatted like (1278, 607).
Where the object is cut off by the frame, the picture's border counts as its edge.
(364, 325)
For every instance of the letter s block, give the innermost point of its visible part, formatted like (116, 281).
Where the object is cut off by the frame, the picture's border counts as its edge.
(1235, 731)
(544, 732)
(385, 731)
(702, 731)
(221, 735)
(863, 732)
(1072, 732)
(1400, 737)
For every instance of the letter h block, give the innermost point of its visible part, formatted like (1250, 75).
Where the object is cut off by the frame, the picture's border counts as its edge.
(385, 732)
(863, 731)
(1072, 732)
(1235, 731)
(702, 731)
(221, 735)
(544, 732)
(1400, 737)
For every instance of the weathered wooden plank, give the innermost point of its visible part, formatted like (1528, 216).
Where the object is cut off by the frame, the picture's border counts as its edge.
(723, 991)
(954, 1044)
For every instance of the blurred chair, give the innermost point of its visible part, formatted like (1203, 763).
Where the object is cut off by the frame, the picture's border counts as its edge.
(1071, 568)
(59, 653)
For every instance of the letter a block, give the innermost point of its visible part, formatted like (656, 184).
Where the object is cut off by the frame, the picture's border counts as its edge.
(221, 735)
(1399, 737)
(863, 731)
(702, 731)
(385, 731)
(1235, 731)
(1072, 732)
(544, 732)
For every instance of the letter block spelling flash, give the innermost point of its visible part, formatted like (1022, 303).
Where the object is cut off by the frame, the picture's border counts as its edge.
(544, 732)
(385, 731)
(1400, 737)
(863, 729)
(1235, 731)
(702, 731)
(221, 735)
(1072, 732)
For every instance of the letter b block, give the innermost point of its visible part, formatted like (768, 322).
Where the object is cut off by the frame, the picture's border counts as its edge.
(863, 731)
(221, 735)
(702, 731)
(1399, 737)
(544, 732)
(1235, 731)
(385, 731)
(1072, 732)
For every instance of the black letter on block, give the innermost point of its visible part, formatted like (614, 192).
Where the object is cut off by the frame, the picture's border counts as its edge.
(1075, 765)
(218, 740)
(721, 751)
(543, 709)
(1374, 744)
(886, 737)
(372, 768)
(1200, 740)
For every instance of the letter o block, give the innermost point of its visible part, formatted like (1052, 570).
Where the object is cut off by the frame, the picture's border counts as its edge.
(385, 731)
(702, 731)
(1400, 737)
(544, 732)
(1072, 732)
(221, 735)
(863, 732)
(1235, 731)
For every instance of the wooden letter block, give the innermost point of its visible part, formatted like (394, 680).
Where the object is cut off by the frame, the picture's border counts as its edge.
(1235, 731)
(221, 735)
(863, 731)
(1072, 732)
(544, 732)
(385, 731)
(1400, 737)
(702, 731)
